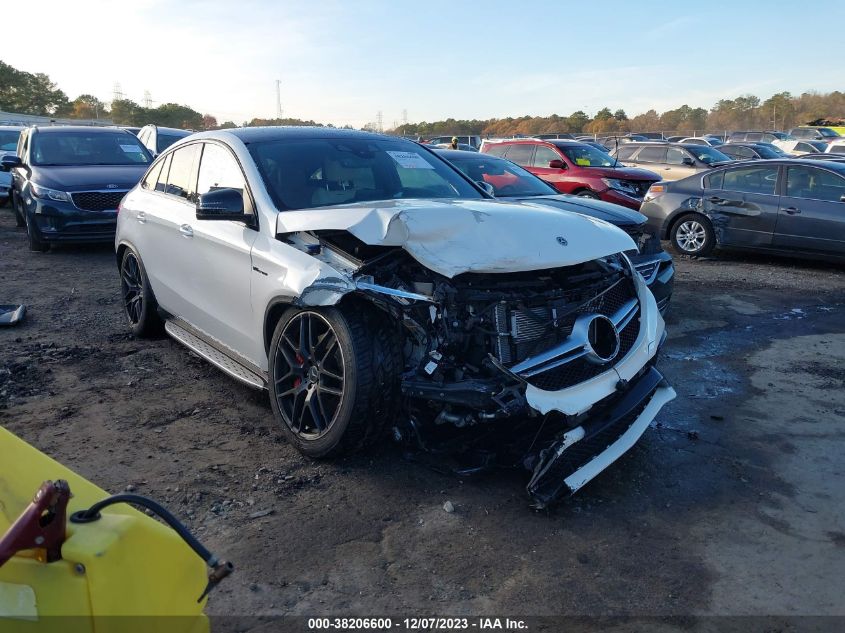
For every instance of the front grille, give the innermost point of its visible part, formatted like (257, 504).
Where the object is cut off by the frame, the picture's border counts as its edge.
(647, 269)
(523, 331)
(581, 369)
(97, 200)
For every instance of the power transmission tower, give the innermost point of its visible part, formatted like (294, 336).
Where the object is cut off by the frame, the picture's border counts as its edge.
(117, 95)
(278, 99)
(148, 99)
(379, 119)
(404, 120)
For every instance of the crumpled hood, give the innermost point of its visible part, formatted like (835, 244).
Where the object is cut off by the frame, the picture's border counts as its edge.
(88, 177)
(607, 211)
(452, 237)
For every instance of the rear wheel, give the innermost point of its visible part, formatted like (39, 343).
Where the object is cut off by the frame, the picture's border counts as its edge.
(334, 378)
(139, 303)
(693, 235)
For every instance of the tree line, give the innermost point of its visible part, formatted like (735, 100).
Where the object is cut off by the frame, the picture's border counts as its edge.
(35, 93)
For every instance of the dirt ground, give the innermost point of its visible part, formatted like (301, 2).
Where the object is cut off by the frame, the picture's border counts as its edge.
(733, 503)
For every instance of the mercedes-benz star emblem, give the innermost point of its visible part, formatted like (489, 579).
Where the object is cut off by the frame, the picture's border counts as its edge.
(562, 240)
(603, 339)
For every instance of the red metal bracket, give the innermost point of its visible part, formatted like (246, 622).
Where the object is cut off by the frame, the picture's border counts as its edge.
(42, 525)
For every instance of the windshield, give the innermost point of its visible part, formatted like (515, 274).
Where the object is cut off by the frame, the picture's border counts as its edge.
(586, 156)
(318, 172)
(769, 152)
(9, 140)
(827, 132)
(819, 145)
(88, 148)
(507, 178)
(163, 141)
(707, 154)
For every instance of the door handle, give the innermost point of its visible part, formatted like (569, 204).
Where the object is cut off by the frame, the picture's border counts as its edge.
(186, 230)
(715, 200)
(792, 210)
(142, 217)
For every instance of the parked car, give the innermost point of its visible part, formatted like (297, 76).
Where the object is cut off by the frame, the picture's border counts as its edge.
(511, 182)
(461, 146)
(711, 141)
(652, 136)
(759, 136)
(67, 181)
(579, 169)
(467, 139)
(610, 142)
(386, 290)
(836, 147)
(597, 145)
(797, 148)
(156, 138)
(824, 156)
(9, 135)
(791, 206)
(554, 136)
(675, 139)
(750, 151)
(814, 134)
(672, 161)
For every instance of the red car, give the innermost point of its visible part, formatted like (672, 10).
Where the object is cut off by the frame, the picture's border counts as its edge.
(577, 168)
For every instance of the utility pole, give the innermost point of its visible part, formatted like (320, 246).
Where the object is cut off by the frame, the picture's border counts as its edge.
(379, 118)
(148, 99)
(404, 121)
(278, 99)
(117, 94)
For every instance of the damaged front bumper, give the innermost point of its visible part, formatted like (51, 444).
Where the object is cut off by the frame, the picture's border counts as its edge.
(586, 450)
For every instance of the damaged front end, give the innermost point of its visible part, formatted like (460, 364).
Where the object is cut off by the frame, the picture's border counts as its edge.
(551, 370)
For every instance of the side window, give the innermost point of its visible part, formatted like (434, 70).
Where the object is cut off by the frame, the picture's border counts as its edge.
(837, 149)
(805, 147)
(769, 138)
(496, 149)
(714, 180)
(543, 155)
(755, 137)
(625, 153)
(743, 152)
(521, 154)
(152, 176)
(817, 184)
(23, 144)
(652, 155)
(751, 180)
(675, 156)
(181, 169)
(161, 183)
(219, 170)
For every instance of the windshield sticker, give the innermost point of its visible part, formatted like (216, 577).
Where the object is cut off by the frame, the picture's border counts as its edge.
(584, 162)
(410, 160)
(131, 149)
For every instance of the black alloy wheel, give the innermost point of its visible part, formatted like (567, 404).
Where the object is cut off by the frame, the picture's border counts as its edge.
(309, 375)
(132, 285)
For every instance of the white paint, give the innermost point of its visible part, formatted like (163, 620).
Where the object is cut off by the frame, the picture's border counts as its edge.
(452, 237)
(410, 160)
(613, 452)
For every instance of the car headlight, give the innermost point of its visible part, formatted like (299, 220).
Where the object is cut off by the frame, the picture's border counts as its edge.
(49, 194)
(621, 185)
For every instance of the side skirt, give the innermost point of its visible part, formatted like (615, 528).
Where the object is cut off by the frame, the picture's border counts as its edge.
(216, 354)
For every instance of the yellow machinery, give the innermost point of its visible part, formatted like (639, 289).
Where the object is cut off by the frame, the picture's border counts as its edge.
(112, 569)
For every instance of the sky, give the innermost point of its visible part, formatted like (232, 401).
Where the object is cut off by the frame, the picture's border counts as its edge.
(343, 61)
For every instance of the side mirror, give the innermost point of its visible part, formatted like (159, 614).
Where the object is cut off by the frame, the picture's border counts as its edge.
(488, 188)
(557, 164)
(221, 204)
(9, 162)
(686, 160)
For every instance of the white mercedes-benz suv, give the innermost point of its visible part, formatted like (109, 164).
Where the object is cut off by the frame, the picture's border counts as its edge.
(369, 285)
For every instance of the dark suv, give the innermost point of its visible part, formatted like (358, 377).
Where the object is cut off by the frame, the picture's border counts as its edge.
(67, 181)
(157, 139)
(577, 168)
(814, 134)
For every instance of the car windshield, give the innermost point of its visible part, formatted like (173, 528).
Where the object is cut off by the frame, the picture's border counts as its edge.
(163, 141)
(319, 172)
(827, 133)
(714, 140)
(586, 156)
(769, 152)
(819, 145)
(9, 140)
(707, 154)
(507, 178)
(88, 148)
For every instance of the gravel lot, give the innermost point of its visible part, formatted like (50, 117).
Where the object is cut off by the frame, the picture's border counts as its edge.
(732, 504)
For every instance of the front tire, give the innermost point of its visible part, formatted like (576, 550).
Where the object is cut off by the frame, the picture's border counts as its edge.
(139, 304)
(17, 209)
(334, 378)
(36, 244)
(693, 235)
